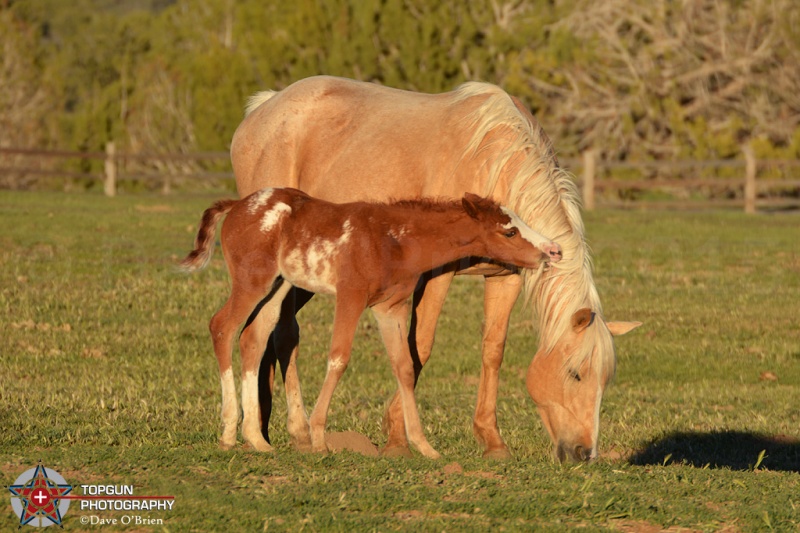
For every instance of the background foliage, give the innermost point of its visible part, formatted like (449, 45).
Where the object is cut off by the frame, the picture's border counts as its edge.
(637, 79)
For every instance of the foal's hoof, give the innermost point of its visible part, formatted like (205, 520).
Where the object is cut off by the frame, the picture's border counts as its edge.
(396, 451)
(302, 446)
(497, 454)
(260, 445)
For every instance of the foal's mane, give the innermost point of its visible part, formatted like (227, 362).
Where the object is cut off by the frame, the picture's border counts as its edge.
(546, 198)
(442, 205)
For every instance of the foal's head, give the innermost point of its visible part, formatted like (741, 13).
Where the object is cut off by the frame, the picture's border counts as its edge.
(506, 237)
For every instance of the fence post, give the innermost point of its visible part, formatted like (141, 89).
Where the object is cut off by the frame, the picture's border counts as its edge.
(110, 185)
(749, 179)
(589, 168)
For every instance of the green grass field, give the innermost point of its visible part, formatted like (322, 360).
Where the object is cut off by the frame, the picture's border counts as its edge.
(107, 376)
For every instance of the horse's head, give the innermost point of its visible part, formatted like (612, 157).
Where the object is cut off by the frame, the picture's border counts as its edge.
(583, 362)
(507, 237)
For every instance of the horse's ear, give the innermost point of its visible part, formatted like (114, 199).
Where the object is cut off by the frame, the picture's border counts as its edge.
(582, 319)
(621, 328)
(470, 204)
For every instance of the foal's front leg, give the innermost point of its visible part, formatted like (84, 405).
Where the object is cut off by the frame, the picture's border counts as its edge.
(428, 301)
(348, 310)
(392, 323)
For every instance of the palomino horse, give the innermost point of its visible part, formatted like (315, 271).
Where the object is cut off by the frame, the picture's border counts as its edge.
(368, 255)
(344, 140)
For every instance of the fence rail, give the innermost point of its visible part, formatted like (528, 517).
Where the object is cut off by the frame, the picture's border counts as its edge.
(589, 170)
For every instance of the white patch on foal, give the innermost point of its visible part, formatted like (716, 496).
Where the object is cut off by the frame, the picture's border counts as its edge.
(271, 217)
(397, 232)
(314, 272)
(258, 199)
(230, 409)
(250, 405)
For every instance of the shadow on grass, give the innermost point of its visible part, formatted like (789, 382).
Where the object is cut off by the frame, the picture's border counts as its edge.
(737, 450)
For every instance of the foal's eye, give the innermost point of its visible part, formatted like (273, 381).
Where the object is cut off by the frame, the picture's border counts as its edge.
(573, 374)
(512, 232)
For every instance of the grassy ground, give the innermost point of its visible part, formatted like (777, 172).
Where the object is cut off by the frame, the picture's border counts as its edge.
(107, 376)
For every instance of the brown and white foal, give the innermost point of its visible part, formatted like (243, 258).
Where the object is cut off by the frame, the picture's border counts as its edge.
(368, 255)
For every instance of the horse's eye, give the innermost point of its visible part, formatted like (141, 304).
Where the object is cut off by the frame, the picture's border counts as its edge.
(512, 232)
(574, 375)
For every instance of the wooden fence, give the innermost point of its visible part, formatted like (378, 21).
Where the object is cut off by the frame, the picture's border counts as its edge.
(745, 189)
(748, 190)
(116, 166)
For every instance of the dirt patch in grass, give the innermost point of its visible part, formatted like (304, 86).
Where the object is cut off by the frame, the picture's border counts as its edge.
(351, 441)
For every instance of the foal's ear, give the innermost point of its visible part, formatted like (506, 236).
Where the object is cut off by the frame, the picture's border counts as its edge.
(621, 328)
(582, 319)
(470, 204)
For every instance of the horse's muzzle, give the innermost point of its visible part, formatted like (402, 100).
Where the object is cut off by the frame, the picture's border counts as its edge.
(571, 452)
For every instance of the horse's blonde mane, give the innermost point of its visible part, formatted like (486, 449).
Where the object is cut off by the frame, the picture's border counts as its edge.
(546, 198)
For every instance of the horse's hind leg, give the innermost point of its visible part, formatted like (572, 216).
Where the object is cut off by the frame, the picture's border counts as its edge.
(392, 324)
(251, 344)
(428, 301)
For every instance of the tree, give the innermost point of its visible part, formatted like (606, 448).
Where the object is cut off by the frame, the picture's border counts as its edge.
(669, 78)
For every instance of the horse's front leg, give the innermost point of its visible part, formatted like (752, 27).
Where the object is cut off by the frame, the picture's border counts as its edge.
(348, 310)
(500, 295)
(392, 324)
(427, 305)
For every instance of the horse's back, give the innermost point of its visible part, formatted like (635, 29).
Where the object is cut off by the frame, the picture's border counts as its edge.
(345, 140)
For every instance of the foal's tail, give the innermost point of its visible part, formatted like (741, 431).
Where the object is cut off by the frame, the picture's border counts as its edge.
(204, 242)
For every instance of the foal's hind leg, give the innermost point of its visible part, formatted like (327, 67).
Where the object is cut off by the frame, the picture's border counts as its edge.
(223, 326)
(251, 345)
(392, 323)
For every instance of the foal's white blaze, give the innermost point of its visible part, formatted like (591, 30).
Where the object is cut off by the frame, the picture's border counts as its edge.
(258, 199)
(533, 237)
(270, 218)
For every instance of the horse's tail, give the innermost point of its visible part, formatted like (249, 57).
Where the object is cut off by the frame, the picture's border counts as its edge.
(256, 100)
(203, 243)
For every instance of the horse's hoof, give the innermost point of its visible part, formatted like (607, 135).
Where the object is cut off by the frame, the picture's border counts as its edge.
(497, 454)
(226, 445)
(396, 451)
